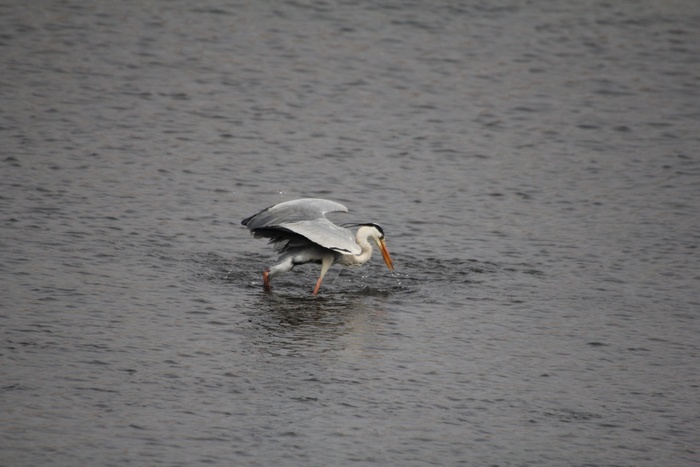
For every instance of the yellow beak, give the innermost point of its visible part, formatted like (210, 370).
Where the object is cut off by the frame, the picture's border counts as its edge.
(385, 254)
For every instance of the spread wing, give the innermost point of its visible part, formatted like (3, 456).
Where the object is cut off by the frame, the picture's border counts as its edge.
(294, 223)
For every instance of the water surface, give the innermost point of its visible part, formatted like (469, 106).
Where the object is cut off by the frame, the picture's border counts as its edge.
(534, 166)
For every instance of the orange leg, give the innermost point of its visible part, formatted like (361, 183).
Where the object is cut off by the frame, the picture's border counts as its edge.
(326, 263)
(266, 280)
(318, 285)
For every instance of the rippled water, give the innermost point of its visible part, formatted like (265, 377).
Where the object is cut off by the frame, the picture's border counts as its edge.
(535, 168)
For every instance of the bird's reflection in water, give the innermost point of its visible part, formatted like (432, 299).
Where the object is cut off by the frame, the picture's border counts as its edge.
(295, 325)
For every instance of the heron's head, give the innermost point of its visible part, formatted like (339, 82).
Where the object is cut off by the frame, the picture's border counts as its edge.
(375, 232)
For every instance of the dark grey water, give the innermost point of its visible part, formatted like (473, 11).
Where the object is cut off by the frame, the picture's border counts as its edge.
(536, 168)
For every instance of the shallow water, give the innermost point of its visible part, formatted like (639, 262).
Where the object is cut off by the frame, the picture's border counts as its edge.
(535, 169)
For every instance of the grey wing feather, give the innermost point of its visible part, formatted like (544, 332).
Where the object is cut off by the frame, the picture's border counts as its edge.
(328, 235)
(305, 217)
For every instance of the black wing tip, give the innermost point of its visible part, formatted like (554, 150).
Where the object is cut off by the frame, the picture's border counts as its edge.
(249, 218)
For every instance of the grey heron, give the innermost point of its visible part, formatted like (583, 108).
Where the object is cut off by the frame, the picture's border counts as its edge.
(300, 232)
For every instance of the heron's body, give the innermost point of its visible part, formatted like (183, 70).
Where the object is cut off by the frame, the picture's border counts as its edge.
(301, 233)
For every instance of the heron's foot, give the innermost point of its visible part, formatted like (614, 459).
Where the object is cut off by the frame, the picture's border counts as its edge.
(266, 280)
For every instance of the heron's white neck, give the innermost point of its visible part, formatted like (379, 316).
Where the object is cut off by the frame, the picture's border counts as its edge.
(362, 237)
